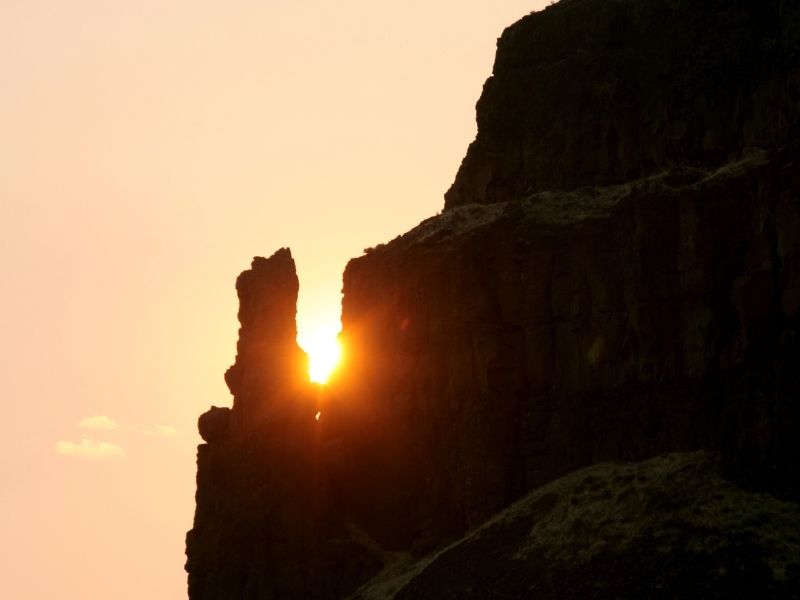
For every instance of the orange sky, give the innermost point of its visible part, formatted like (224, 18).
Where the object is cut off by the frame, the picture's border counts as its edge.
(148, 150)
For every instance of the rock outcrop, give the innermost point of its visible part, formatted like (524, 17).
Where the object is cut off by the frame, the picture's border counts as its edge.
(270, 367)
(264, 526)
(615, 276)
(670, 527)
(598, 92)
(509, 344)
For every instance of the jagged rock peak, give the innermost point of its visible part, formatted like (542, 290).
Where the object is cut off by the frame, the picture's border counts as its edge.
(268, 360)
(268, 298)
(598, 92)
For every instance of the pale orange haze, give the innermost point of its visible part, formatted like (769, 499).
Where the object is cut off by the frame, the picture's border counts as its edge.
(148, 150)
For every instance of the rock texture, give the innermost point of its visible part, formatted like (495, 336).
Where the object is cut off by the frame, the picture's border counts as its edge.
(615, 276)
(667, 528)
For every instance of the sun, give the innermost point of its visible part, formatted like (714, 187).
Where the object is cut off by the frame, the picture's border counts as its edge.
(323, 351)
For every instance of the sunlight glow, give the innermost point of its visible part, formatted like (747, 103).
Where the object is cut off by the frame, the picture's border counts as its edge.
(323, 356)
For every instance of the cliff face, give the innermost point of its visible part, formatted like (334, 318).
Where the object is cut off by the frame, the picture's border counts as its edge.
(596, 92)
(615, 276)
(506, 345)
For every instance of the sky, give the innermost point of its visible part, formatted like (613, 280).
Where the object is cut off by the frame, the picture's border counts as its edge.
(148, 150)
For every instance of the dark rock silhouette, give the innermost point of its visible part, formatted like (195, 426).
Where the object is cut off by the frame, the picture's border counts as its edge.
(264, 524)
(615, 277)
(506, 345)
(597, 92)
(270, 367)
(213, 424)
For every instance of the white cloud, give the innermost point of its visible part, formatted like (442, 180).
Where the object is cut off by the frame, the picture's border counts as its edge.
(88, 448)
(163, 430)
(98, 422)
(166, 430)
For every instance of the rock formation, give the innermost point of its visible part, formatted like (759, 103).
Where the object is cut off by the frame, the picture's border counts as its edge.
(270, 367)
(669, 527)
(598, 92)
(264, 527)
(615, 276)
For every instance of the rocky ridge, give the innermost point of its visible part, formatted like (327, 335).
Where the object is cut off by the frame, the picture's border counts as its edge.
(596, 92)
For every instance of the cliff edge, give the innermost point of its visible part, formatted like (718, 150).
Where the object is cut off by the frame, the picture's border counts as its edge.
(598, 92)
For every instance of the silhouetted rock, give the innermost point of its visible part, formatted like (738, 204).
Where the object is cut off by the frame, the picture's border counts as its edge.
(213, 424)
(498, 347)
(615, 277)
(270, 367)
(597, 92)
(264, 526)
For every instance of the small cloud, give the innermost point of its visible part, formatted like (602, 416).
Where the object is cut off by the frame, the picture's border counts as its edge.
(163, 430)
(88, 448)
(166, 430)
(98, 422)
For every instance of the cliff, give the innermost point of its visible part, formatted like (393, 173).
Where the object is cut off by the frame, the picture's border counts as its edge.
(598, 92)
(614, 277)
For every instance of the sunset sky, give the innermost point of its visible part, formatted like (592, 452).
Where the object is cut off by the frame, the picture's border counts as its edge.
(148, 150)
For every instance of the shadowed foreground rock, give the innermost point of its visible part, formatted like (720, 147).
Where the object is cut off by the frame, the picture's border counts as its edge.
(615, 277)
(670, 527)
